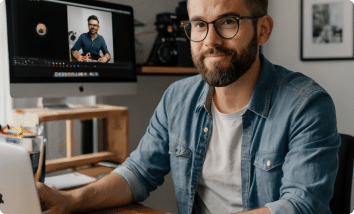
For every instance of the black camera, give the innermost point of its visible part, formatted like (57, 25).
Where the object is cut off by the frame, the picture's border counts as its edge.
(171, 47)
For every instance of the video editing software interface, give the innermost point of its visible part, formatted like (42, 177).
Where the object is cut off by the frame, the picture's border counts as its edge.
(42, 34)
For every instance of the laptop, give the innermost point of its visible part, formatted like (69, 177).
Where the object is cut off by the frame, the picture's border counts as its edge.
(18, 193)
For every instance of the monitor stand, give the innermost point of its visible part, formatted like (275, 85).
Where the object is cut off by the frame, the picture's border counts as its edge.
(56, 104)
(62, 103)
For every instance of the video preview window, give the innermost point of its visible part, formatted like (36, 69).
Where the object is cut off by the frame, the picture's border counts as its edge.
(52, 30)
(90, 35)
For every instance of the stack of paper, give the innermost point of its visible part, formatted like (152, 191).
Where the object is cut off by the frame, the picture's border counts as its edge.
(67, 181)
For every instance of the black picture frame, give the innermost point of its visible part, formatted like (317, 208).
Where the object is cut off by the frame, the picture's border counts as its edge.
(327, 30)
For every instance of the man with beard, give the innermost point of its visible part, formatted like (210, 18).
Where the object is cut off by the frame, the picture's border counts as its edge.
(245, 135)
(91, 44)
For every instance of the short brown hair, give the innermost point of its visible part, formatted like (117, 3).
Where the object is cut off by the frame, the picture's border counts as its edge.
(93, 17)
(256, 7)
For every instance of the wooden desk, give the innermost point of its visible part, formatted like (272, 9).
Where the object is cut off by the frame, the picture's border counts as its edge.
(129, 209)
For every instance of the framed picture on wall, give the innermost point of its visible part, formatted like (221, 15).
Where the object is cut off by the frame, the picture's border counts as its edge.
(327, 30)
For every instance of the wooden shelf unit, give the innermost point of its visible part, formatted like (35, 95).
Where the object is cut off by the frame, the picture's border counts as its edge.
(116, 132)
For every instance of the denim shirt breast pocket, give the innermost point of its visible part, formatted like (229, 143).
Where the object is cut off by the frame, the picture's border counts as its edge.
(269, 172)
(180, 160)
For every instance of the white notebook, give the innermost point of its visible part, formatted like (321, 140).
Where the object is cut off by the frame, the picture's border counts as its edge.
(67, 181)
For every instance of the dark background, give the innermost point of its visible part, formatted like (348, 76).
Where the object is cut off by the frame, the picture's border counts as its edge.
(121, 38)
(55, 44)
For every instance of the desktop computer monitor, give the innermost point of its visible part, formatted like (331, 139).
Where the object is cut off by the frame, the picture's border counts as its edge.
(47, 37)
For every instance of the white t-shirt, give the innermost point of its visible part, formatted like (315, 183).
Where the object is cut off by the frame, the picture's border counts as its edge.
(220, 185)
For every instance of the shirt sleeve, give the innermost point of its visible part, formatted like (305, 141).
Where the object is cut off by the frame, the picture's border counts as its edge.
(78, 44)
(104, 47)
(147, 166)
(311, 164)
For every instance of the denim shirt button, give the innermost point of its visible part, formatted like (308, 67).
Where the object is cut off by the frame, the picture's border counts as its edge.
(206, 129)
(268, 163)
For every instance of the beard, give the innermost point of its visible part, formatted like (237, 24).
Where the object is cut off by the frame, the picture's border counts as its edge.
(92, 31)
(240, 64)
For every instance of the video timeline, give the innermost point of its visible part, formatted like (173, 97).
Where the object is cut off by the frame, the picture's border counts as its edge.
(65, 64)
(75, 74)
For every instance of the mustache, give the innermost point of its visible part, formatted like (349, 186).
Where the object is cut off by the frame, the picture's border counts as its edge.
(218, 50)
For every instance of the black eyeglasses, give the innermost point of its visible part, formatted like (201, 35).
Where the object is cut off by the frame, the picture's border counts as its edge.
(93, 25)
(225, 27)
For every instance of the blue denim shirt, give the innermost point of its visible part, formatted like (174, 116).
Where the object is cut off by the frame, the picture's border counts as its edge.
(85, 42)
(289, 145)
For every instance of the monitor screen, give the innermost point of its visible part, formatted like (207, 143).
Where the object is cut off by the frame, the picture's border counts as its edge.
(70, 48)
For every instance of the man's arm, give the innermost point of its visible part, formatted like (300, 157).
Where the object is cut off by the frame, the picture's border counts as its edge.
(75, 49)
(104, 58)
(109, 191)
(105, 51)
(78, 56)
(311, 162)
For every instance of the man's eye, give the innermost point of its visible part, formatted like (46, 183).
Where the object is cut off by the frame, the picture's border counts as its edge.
(228, 22)
(199, 25)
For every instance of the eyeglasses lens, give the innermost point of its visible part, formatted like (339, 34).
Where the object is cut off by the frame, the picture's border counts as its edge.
(197, 30)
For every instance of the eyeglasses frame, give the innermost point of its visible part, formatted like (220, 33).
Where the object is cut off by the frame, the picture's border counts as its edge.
(237, 18)
(94, 25)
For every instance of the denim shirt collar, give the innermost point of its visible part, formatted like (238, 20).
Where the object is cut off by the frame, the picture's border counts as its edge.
(261, 96)
(88, 35)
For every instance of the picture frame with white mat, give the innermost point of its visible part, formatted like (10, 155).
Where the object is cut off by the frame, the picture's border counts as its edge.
(327, 30)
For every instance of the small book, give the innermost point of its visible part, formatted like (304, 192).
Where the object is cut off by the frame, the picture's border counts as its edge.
(68, 181)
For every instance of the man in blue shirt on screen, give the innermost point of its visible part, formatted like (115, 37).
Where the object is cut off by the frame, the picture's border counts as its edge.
(244, 136)
(91, 44)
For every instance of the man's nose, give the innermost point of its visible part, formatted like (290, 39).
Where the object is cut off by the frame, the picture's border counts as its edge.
(212, 39)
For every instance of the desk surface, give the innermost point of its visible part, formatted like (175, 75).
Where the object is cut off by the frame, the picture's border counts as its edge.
(129, 209)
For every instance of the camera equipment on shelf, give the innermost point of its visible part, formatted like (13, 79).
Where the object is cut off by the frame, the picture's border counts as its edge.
(171, 47)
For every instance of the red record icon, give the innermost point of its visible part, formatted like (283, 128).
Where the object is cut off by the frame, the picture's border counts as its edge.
(41, 29)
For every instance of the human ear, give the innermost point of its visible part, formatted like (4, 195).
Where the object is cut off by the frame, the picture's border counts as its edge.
(265, 27)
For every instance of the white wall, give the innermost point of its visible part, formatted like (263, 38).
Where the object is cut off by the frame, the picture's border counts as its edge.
(337, 77)
(5, 100)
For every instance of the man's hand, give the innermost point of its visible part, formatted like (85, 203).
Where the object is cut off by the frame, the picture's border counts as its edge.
(53, 201)
(82, 59)
(103, 59)
(79, 57)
